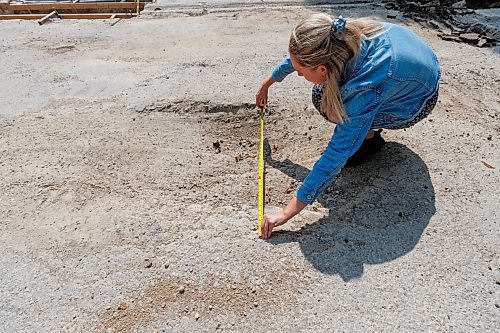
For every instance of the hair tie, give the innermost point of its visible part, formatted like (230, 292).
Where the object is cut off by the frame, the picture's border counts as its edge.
(338, 28)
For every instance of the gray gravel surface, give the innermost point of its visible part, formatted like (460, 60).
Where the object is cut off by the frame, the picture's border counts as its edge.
(128, 187)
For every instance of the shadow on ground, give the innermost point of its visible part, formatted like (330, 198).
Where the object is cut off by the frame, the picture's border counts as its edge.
(377, 212)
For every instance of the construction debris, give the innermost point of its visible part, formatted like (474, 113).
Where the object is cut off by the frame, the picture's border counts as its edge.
(94, 9)
(48, 16)
(456, 21)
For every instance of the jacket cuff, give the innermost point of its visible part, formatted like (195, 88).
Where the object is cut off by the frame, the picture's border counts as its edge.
(306, 194)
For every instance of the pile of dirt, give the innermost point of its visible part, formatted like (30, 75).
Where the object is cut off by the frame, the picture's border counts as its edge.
(456, 20)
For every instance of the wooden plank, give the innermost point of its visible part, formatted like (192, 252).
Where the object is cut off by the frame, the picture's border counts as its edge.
(22, 16)
(96, 16)
(91, 16)
(70, 6)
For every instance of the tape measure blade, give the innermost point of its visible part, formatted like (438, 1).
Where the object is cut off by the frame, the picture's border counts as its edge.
(261, 193)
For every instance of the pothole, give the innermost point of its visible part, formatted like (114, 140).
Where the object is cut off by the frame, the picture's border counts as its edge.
(229, 135)
(183, 106)
(228, 150)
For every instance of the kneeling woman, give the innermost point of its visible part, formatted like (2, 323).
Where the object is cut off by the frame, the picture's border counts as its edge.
(367, 76)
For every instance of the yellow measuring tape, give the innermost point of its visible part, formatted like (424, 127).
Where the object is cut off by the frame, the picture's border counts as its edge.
(260, 198)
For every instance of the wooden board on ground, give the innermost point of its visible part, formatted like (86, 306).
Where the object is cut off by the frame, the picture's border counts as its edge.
(91, 16)
(70, 6)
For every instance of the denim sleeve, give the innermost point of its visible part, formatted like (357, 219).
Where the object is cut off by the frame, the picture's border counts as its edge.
(283, 69)
(347, 138)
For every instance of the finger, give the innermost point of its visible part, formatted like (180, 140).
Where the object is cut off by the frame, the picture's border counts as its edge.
(264, 228)
(270, 229)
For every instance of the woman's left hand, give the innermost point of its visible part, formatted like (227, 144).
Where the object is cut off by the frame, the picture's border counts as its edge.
(273, 220)
(270, 221)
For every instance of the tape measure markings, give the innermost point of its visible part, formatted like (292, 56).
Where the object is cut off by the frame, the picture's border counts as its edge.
(260, 198)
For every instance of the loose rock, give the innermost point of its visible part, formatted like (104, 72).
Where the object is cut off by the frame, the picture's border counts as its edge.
(147, 263)
(472, 38)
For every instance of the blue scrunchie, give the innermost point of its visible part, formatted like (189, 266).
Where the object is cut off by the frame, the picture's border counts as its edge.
(338, 28)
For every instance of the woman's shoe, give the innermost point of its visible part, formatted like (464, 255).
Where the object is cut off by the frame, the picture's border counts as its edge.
(368, 148)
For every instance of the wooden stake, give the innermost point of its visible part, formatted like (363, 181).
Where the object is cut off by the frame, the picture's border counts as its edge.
(46, 17)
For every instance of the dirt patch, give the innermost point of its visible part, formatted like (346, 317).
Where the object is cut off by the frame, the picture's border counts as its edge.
(173, 298)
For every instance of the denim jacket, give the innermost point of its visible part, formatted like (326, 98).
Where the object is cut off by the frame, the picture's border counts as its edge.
(386, 84)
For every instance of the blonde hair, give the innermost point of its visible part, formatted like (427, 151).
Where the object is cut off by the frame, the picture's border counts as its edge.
(313, 43)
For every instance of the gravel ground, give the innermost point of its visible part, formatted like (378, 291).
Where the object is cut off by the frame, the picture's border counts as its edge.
(128, 187)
